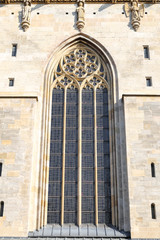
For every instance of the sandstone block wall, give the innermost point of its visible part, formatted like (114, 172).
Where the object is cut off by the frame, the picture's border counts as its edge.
(142, 120)
(17, 124)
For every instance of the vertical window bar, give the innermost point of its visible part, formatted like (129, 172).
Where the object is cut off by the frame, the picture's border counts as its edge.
(79, 157)
(153, 170)
(95, 159)
(153, 211)
(146, 52)
(63, 157)
(14, 50)
(0, 169)
(1, 209)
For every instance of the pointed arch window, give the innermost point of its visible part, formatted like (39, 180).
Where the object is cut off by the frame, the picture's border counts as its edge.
(79, 173)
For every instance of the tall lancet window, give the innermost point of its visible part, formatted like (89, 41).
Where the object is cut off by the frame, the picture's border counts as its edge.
(79, 173)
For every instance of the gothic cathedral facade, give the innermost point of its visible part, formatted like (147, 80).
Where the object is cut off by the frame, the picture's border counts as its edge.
(80, 119)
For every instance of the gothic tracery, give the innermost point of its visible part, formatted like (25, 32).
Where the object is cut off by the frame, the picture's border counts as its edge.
(80, 67)
(80, 141)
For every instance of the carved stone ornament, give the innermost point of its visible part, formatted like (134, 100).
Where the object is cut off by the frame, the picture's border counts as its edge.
(74, 1)
(7, 1)
(80, 15)
(136, 13)
(26, 15)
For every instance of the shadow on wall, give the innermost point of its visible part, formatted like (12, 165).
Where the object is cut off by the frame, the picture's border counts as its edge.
(104, 6)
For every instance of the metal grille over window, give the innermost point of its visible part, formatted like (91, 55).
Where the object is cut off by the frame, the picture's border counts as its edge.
(88, 193)
(70, 193)
(103, 159)
(79, 174)
(55, 170)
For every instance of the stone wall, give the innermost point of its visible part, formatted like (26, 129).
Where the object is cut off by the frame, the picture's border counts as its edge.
(16, 153)
(142, 120)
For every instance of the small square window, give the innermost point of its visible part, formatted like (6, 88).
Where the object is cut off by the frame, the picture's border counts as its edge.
(14, 50)
(146, 52)
(148, 82)
(11, 82)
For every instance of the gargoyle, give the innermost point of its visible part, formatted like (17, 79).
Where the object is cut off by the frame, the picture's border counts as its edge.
(136, 12)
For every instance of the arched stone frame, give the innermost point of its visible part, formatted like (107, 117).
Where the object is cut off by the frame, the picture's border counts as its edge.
(45, 143)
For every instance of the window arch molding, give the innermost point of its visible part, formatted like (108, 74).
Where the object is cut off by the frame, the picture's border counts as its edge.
(110, 70)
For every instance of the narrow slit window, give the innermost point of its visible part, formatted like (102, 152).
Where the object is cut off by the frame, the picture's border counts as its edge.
(148, 81)
(153, 211)
(1, 208)
(146, 52)
(0, 169)
(11, 82)
(153, 170)
(14, 50)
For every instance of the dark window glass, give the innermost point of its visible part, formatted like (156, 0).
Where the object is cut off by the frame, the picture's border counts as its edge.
(11, 82)
(103, 159)
(153, 211)
(1, 209)
(14, 50)
(56, 153)
(146, 52)
(88, 172)
(0, 169)
(153, 170)
(148, 82)
(71, 157)
(55, 170)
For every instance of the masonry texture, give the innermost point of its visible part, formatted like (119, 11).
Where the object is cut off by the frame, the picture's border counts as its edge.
(142, 116)
(135, 118)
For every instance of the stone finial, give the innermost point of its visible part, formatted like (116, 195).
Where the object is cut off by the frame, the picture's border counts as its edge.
(80, 15)
(26, 15)
(136, 13)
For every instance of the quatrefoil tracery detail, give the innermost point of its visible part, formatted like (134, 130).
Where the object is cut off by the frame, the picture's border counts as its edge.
(79, 67)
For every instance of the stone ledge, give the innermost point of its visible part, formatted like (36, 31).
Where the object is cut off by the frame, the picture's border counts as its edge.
(74, 1)
(83, 231)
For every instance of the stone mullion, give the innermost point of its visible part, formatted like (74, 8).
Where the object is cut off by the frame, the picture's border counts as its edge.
(95, 159)
(79, 157)
(63, 156)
